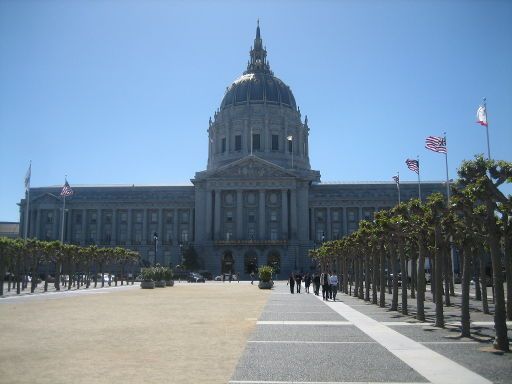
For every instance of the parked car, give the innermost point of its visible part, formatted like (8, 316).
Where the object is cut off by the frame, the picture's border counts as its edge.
(195, 277)
(206, 274)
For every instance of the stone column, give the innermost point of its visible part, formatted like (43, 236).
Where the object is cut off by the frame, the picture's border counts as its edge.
(145, 220)
(239, 215)
(190, 224)
(129, 230)
(84, 227)
(55, 229)
(68, 219)
(284, 212)
(160, 225)
(99, 227)
(175, 225)
(344, 215)
(328, 234)
(209, 209)
(37, 223)
(216, 217)
(313, 223)
(113, 239)
(261, 219)
(293, 213)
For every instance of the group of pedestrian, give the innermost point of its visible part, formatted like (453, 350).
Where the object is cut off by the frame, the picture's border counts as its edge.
(328, 282)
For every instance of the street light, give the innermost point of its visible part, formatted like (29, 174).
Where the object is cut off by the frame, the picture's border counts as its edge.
(155, 238)
(181, 254)
(290, 139)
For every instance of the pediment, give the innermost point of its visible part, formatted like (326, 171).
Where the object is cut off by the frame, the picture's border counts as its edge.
(250, 167)
(45, 198)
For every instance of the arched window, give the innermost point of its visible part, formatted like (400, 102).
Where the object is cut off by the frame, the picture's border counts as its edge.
(227, 262)
(274, 260)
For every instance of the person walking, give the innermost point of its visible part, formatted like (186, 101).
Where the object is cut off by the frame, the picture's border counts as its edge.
(333, 282)
(291, 283)
(324, 282)
(298, 281)
(307, 282)
(316, 284)
(252, 277)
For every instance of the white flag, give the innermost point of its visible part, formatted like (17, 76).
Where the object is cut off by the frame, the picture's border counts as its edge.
(481, 115)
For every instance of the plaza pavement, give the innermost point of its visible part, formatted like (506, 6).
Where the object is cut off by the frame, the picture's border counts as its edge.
(235, 333)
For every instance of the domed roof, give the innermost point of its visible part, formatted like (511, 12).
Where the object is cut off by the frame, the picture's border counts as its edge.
(258, 88)
(258, 84)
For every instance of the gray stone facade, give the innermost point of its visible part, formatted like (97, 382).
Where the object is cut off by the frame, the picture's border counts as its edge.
(258, 202)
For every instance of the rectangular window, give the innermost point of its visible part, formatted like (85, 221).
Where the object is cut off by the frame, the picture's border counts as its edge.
(229, 216)
(251, 218)
(251, 233)
(154, 217)
(273, 215)
(184, 235)
(273, 234)
(229, 235)
(256, 142)
(238, 142)
(223, 150)
(275, 142)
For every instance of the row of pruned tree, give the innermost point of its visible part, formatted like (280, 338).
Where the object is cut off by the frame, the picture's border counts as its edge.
(476, 223)
(20, 259)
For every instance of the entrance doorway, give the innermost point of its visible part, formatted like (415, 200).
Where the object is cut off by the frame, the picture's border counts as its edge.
(228, 263)
(251, 262)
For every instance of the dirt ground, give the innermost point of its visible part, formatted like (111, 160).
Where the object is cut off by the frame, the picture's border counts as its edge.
(188, 333)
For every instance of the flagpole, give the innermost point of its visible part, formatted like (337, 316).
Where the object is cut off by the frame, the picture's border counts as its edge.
(452, 248)
(419, 181)
(63, 213)
(398, 186)
(25, 229)
(251, 140)
(27, 196)
(487, 130)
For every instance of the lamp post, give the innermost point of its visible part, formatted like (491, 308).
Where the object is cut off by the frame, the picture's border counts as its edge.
(290, 139)
(155, 238)
(181, 254)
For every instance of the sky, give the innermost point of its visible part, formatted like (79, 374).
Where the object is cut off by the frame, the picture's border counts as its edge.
(120, 92)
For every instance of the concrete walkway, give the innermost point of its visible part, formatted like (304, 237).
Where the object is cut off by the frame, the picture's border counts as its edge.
(300, 338)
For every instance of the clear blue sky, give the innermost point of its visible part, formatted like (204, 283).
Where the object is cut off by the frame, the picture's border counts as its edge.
(112, 92)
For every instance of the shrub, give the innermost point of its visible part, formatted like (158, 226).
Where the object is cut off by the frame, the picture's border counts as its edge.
(147, 274)
(265, 273)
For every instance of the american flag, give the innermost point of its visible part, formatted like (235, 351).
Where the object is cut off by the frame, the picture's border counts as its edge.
(436, 144)
(397, 179)
(66, 190)
(413, 165)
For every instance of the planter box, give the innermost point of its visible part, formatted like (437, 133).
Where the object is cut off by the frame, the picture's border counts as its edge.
(265, 284)
(170, 283)
(147, 284)
(160, 284)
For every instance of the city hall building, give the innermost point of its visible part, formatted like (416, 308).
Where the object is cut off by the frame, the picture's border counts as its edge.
(258, 202)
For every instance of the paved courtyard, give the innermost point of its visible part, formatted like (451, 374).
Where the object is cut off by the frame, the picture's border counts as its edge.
(235, 333)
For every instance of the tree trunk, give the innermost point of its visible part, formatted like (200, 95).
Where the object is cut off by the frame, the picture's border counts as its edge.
(394, 300)
(466, 277)
(46, 274)
(18, 275)
(500, 316)
(403, 267)
(447, 273)
(476, 277)
(382, 279)
(102, 278)
(2, 275)
(375, 278)
(35, 276)
(389, 278)
(367, 275)
(483, 282)
(439, 278)
(420, 297)
(361, 278)
(508, 267)
(414, 273)
(58, 266)
(433, 277)
(451, 269)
